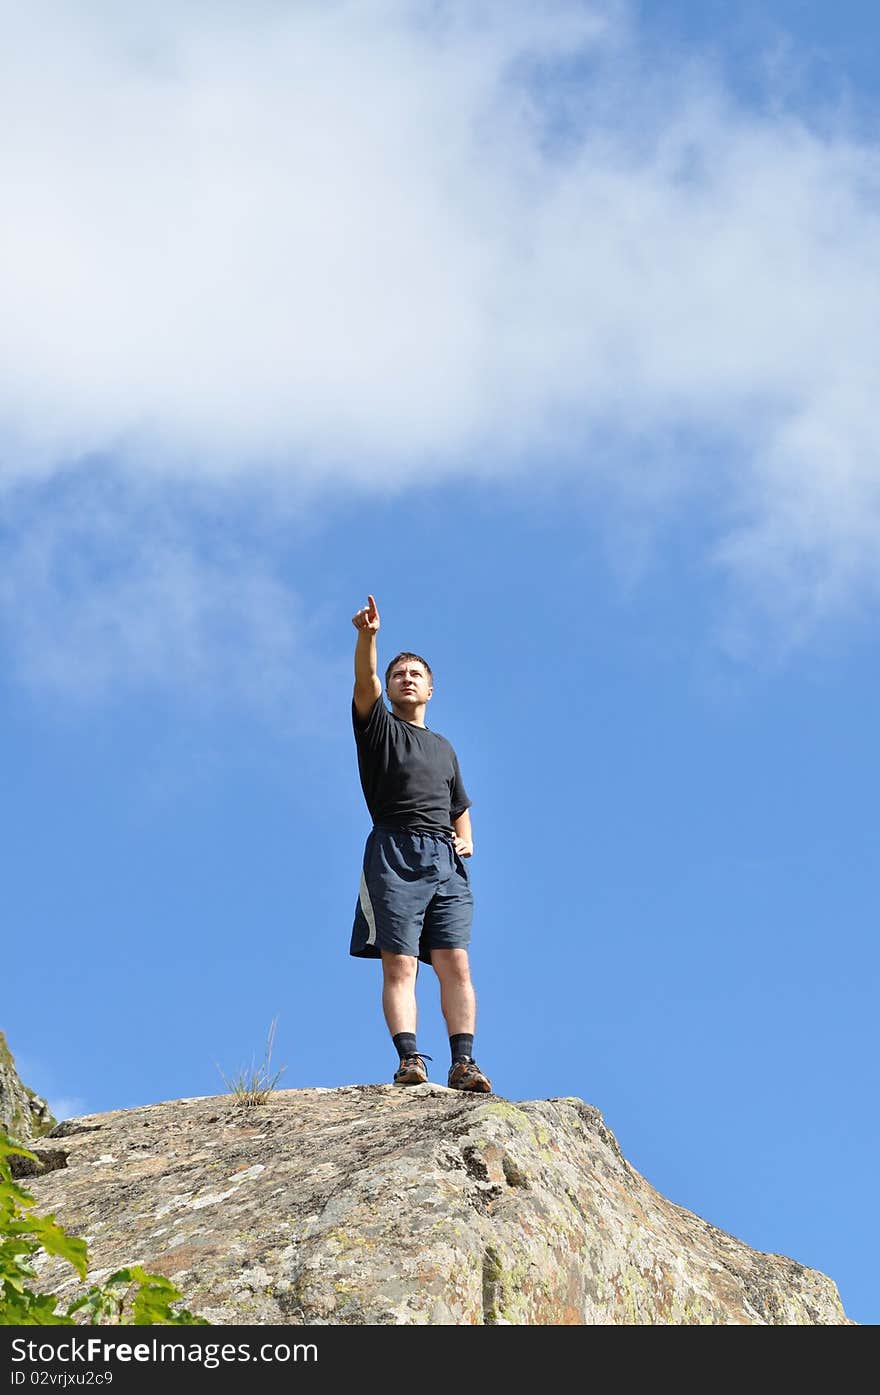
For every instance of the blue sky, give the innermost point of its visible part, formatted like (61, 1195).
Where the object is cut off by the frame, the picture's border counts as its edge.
(554, 328)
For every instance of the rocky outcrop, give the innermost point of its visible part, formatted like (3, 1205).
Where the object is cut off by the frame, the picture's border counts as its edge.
(380, 1205)
(23, 1114)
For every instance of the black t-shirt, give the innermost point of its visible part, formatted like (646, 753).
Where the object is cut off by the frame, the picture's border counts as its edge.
(409, 775)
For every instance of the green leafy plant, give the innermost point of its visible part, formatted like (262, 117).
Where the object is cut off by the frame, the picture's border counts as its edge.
(133, 1296)
(254, 1084)
(128, 1296)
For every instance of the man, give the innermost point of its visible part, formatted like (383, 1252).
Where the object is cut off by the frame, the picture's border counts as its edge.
(415, 898)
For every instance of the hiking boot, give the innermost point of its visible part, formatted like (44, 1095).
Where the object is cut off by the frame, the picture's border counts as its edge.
(411, 1071)
(466, 1075)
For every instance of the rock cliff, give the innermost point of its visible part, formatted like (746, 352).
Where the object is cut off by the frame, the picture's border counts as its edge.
(380, 1205)
(22, 1113)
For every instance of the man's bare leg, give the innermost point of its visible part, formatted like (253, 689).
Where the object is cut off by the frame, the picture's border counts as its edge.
(399, 972)
(458, 1003)
(399, 991)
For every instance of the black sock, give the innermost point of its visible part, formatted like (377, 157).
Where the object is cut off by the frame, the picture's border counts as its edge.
(462, 1046)
(405, 1044)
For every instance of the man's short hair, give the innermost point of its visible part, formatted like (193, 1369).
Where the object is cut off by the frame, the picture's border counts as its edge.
(407, 655)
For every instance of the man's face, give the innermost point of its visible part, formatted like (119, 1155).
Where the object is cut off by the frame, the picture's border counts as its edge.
(409, 684)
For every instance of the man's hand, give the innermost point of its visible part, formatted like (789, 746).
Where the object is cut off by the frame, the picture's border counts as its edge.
(462, 834)
(367, 618)
(367, 688)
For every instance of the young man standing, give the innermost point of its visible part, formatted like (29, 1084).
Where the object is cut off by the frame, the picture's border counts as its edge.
(415, 898)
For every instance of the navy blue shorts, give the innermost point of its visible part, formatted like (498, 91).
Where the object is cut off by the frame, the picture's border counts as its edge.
(415, 896)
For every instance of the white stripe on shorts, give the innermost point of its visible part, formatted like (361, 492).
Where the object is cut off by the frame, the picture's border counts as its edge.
(367, 908)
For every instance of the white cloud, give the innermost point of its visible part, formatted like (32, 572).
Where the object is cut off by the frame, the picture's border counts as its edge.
(40, 1078)
(67, 1107)
(103, 595)
(363, 239)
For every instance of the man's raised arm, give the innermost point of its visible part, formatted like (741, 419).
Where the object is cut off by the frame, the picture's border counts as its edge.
(367, 687)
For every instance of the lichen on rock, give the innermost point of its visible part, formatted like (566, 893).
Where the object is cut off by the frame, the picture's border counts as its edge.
(371, 1204)
(23, 1113)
